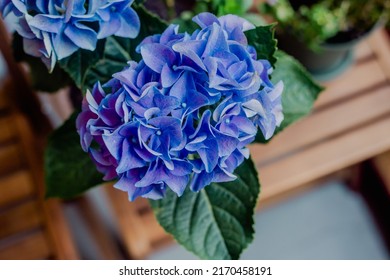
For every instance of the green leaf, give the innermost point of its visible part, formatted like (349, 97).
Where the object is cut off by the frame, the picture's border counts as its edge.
(115, 58)
(237, 7)
(151, 24)
(118, 51)
(41, 79)
(185, 22)
(80, 62)
(68, 169)
(263, 40)
(255, 19)
(299, 94)
(216, 222)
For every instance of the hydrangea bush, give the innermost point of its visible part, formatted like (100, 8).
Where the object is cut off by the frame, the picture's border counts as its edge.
(167, 114)
(55, 29)
(184, 114)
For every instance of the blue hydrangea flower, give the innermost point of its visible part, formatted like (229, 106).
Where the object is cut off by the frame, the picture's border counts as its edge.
(8, 7)
(182, 116)
(56, 29)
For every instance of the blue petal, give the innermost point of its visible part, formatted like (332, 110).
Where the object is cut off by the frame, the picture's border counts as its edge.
(217, 42)
(47, 23)
(201, 180)
(108, 28)
(82, 36)
(169, 76)
(226, 144)
(130, 24)
(63, 46)
(193, 50)
(157, 55)
(114, 144)
(205, 19)
(129, 159)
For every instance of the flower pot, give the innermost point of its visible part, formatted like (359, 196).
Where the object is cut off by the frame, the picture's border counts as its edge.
(332, 58)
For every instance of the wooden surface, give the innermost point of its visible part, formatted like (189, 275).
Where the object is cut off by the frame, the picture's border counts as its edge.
(140, 232)
(350, 123)
(30, 228)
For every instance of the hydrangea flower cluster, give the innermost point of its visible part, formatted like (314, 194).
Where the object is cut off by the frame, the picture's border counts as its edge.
(183, 115)
(55, 29)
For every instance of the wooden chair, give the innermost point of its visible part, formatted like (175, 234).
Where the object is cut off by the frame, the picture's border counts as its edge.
(30, 227)
(349, 124)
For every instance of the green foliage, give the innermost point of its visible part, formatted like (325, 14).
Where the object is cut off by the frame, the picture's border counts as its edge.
(216, 222)
(322, 20)
(80, 62)
(262, 38)
(238, 7)
(68, 169)
(185, 22)
(299, 94)
(115, 57)
(219, 8)
(151, 24)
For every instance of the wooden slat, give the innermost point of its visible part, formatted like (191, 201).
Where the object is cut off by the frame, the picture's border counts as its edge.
(380, 43)
(358, 79)
(325, 124)
(325, 158)
(32, 247)
(10, 159)
(98, 230)
(132, 227)
(6, 132)
(156, 233)
(59, 232)
(15, 187)
(363, 51)
(21, 218)
(137, 224)
(382, 165)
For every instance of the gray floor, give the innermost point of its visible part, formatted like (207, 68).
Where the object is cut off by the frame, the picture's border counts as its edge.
(329, 222)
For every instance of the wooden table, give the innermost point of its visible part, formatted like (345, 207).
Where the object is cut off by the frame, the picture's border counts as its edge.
(349, 124)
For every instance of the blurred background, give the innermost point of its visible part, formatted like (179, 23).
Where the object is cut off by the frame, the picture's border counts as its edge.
(325, 180)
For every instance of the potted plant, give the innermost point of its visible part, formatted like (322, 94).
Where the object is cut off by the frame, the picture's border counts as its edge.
(323, 33)
(166, 112)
